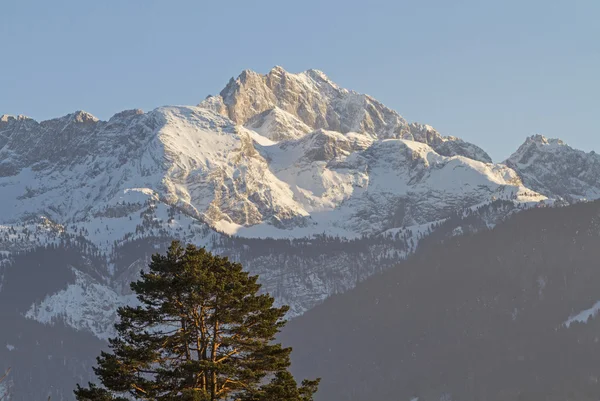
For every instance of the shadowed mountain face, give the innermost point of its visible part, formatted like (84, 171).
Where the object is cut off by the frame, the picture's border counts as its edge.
(46, 360)
(499, 315)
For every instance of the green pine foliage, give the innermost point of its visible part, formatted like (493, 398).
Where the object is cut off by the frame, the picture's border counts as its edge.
(283, 387)
(202, 332)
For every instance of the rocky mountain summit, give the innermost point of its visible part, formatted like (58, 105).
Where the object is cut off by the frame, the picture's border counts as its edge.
(551, 167)
(293, 104)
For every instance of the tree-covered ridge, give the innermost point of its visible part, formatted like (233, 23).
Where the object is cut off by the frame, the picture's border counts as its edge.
(497, 315)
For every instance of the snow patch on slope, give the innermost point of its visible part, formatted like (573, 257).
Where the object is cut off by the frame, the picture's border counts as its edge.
(85, 305)
(584, 315)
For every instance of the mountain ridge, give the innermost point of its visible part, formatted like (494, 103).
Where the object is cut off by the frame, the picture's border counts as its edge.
(237, 202)
(280, 155)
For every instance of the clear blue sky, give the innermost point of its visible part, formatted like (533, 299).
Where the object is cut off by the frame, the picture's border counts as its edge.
(491, 72)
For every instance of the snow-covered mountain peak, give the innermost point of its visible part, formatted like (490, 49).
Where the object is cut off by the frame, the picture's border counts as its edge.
(446, 145)
(81, 116)
(127, 114)
(310, 97)
(552, 167)
(317, 75)
(541, 140)
(538, 144)
(310, 77)
(7, 119)
(276, 71)
(281, 106)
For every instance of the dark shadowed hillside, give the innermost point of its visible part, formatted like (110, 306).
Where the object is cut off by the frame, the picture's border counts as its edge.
(478, 317)
(45, 360)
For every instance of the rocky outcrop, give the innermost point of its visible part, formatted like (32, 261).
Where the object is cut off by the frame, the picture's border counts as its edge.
(555, 169)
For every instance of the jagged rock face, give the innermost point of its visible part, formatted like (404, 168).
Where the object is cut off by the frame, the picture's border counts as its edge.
(449, 145)
(277, 125)
(281, 106)
(312, 98)
(551, 167)
(50, 140)
(324, 146)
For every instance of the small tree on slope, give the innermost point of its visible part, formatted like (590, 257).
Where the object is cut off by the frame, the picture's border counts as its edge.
(202, 332)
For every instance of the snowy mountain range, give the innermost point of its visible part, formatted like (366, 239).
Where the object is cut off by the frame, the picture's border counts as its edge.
(281, 156)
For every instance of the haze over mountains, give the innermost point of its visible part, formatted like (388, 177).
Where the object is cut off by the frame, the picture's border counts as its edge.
(312, 186)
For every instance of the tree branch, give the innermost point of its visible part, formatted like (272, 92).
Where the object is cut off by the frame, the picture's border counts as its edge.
(226, 356)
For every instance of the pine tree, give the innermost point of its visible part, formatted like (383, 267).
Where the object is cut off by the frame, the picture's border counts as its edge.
(283, 387)
(202, 332)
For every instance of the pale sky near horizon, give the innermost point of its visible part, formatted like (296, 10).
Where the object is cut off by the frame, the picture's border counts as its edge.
(490, 72)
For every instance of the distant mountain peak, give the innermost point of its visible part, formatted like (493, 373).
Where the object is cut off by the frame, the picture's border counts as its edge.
(127, 113)
(314, 74)
(534, 144)
(5, 118)
(447, 145)
(278, 70)
(317, 74)
(81, 116)
(551, 167)
(309, 96)
(542, 140)
(282, 105)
